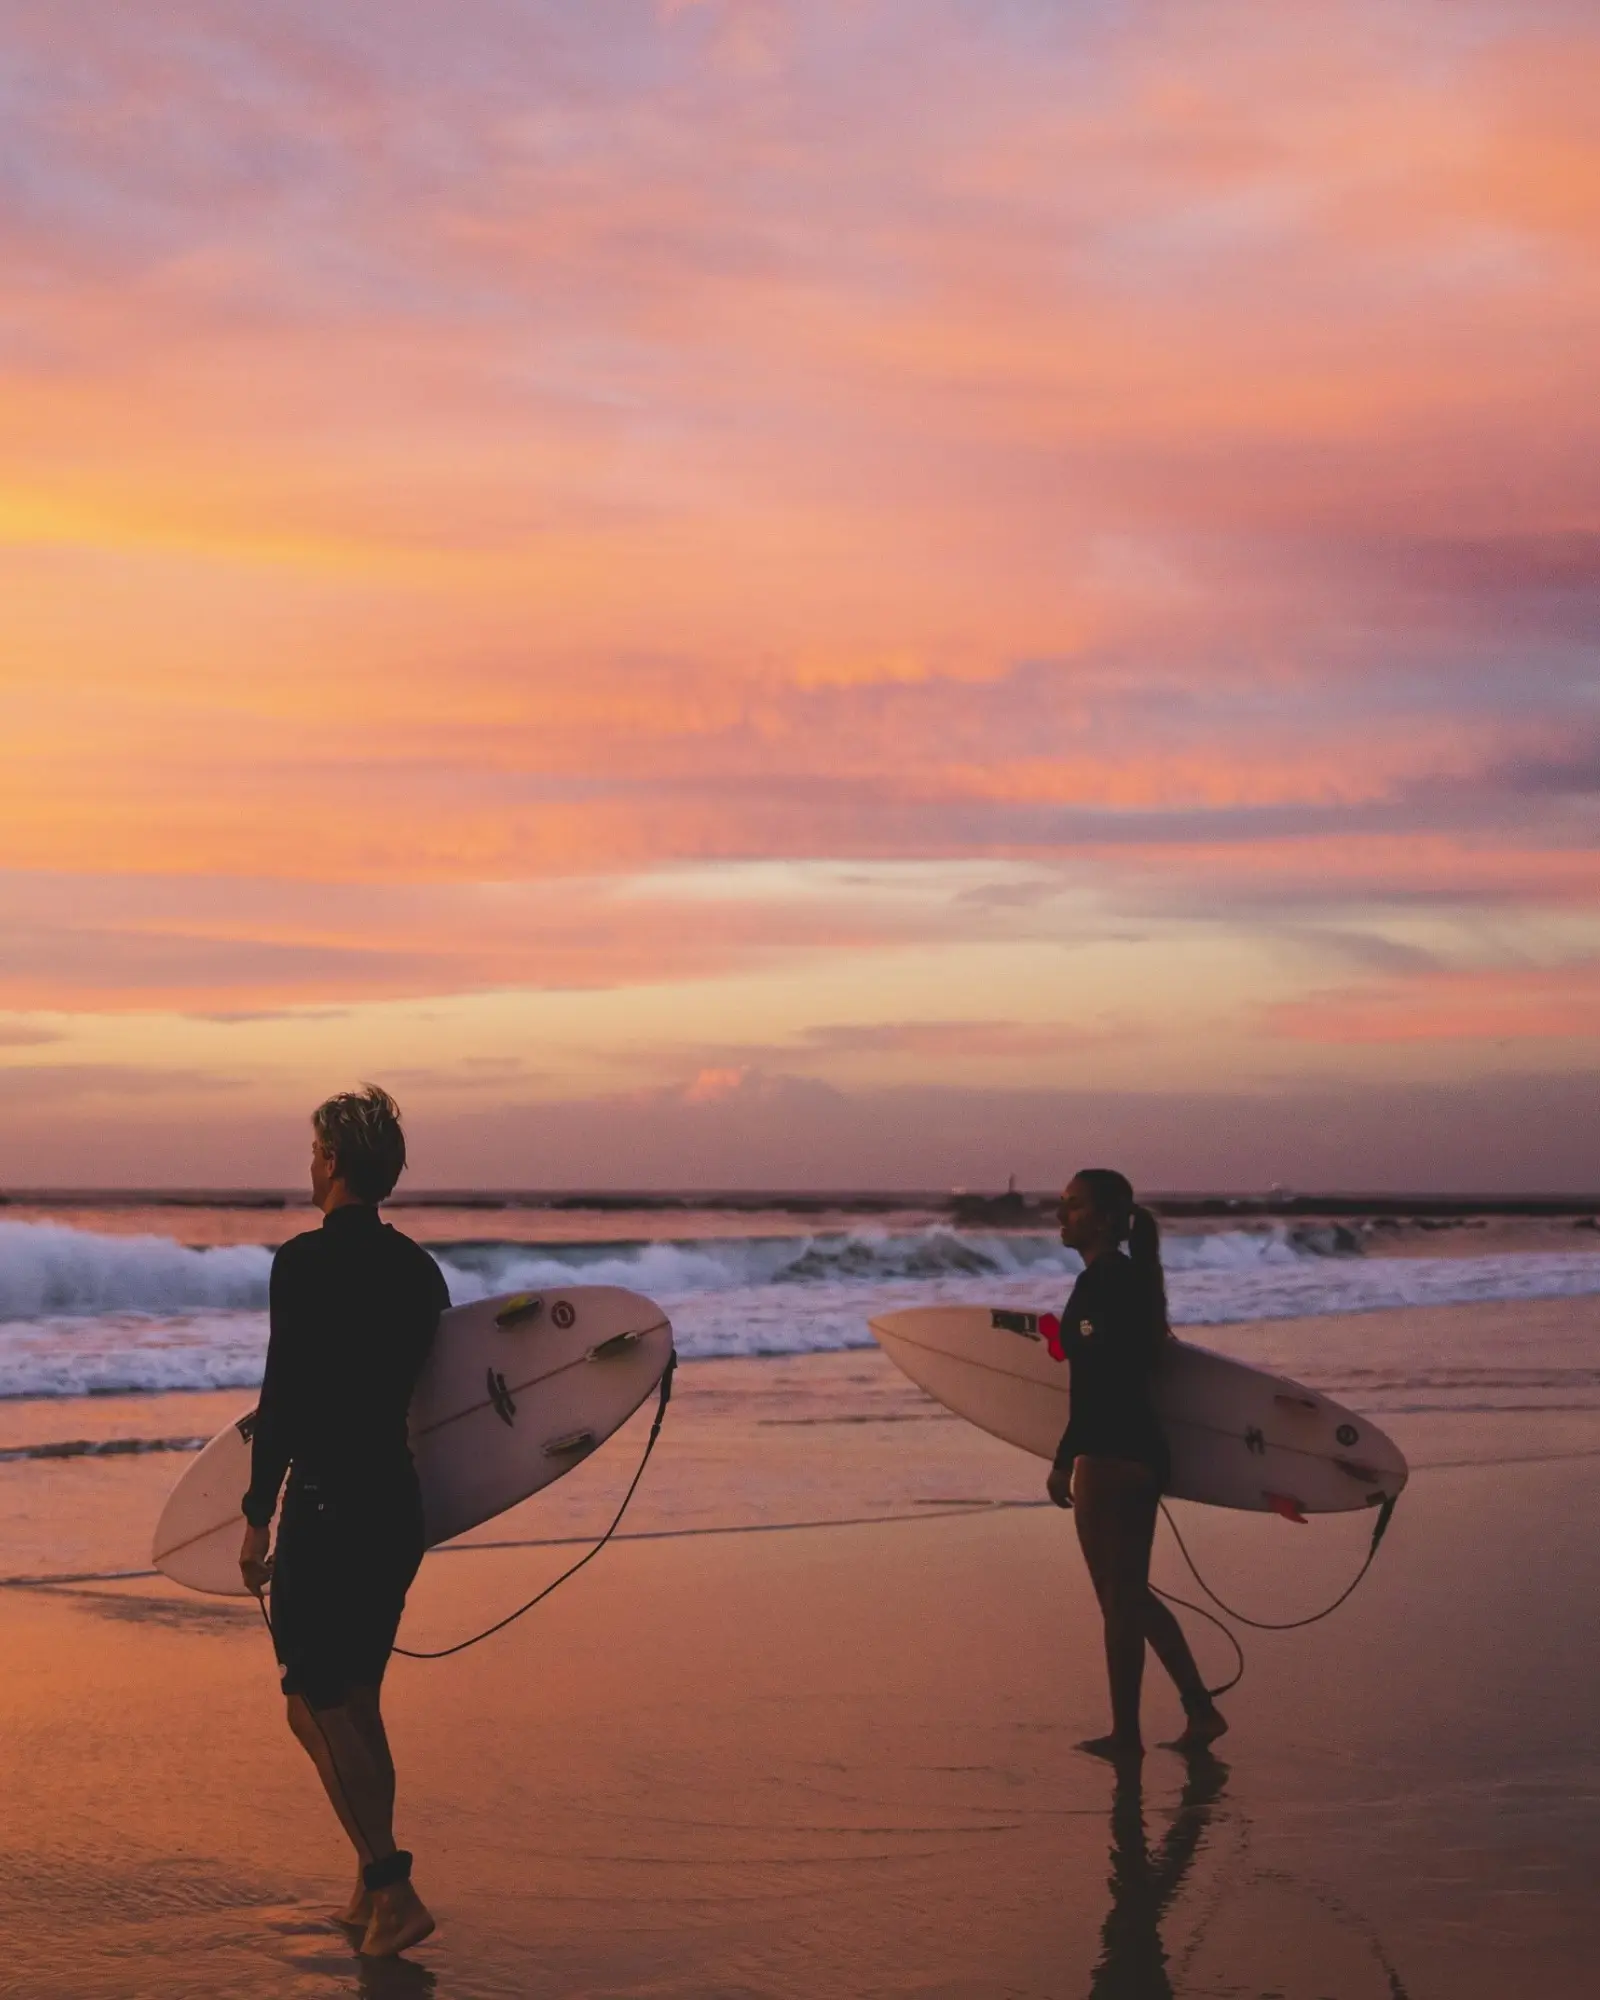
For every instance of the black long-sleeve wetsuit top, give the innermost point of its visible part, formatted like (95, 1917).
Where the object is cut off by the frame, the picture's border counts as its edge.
(354, 1306)
(1112, 1328)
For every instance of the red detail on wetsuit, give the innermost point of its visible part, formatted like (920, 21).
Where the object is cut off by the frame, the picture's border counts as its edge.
(1280, 1503)
(1050, 1327)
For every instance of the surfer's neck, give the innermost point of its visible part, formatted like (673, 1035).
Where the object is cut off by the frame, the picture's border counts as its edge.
(339, 1196)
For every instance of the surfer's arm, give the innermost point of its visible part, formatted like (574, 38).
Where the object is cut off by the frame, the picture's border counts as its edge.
(255, 1563)
(1058, 1481)
(270, 1448)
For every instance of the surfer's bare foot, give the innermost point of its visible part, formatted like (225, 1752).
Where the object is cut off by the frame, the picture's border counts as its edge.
(357, 1913)
(1112, 1748)
(1203, 1728)
(399, 1920)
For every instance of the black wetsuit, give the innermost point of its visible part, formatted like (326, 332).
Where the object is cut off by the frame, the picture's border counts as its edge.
(1112, 1328)
(354, 1308)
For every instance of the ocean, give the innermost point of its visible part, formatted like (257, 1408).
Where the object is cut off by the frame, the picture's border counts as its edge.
(165, 1294)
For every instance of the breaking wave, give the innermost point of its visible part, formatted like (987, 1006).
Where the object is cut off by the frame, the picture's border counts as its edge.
(89, 1314)
(49, 1270)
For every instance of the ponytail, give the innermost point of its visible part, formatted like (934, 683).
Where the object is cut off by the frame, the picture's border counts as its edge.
(1112, 1195)
(1144, 1253)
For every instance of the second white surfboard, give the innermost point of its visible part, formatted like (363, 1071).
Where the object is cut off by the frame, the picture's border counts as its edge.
(1239, 1437)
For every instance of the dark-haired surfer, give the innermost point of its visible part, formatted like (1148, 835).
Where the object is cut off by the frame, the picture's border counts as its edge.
(354, 1308)
(1112, 1465)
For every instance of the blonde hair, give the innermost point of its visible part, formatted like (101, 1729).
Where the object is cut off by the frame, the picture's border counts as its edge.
(360, 1132)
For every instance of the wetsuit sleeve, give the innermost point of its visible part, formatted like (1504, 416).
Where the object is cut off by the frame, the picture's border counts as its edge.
(1070, 1340)
(271, 1444)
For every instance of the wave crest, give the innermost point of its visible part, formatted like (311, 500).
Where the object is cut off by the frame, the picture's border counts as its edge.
(50, 1270)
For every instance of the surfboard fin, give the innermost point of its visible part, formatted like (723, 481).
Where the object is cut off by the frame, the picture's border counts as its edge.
(573, 1441)
(619, 1343)
(527, 1305)
(1290, 1509)
(1363, 1473)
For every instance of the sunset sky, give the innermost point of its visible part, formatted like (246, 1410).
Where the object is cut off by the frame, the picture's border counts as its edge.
(867, 592)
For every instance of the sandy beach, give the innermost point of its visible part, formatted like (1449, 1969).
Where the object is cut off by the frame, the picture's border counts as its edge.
(810, 1732)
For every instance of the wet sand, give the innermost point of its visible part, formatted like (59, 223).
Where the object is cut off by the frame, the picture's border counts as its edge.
(742, 1759)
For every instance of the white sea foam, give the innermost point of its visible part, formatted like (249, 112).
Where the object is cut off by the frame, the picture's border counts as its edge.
(89, 1314)
(47, 1269)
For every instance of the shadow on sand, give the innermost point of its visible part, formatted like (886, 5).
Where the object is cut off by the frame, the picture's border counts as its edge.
(393, 1979)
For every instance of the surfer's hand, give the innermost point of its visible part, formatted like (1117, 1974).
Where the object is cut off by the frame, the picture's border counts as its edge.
(255, 1565)
(1059, 1485)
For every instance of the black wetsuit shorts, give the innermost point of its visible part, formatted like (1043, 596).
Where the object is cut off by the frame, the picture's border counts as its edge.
(342, 1566)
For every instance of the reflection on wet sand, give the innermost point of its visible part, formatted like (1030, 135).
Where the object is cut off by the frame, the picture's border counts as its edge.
(1133, 1959)
(1134, 1963)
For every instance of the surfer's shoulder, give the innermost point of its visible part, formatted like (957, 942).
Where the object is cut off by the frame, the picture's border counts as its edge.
(1111, 1277)
(298, 1250)
(409, 1250)
(403, 1245)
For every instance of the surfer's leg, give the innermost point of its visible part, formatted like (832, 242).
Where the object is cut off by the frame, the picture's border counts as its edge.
(313, 1609)
(350, 1748)
(397, 1915)
(314, 1739)
(362, 1777)
(363, 1704)
(357, 1913)
(1171, 1648)
(1114, 1509)
(399, 1918)
(1205, 1720)
(368, 1719)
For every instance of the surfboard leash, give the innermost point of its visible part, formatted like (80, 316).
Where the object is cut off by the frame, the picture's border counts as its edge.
(589, 1554)
(1379, 1530)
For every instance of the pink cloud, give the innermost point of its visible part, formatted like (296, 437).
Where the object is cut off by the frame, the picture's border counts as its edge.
(980, 1040)
(1482, 1003)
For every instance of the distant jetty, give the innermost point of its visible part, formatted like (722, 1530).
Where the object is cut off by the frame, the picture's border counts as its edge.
(1011, 1209)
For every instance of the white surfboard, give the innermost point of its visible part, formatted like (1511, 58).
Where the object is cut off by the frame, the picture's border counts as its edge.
(515, 1392)
(1239, 1437)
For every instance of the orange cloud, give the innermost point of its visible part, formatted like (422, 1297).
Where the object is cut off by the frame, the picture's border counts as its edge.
(233, 947)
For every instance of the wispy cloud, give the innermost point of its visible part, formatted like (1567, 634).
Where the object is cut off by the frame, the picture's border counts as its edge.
(1479, 1003)
(26, 1034)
